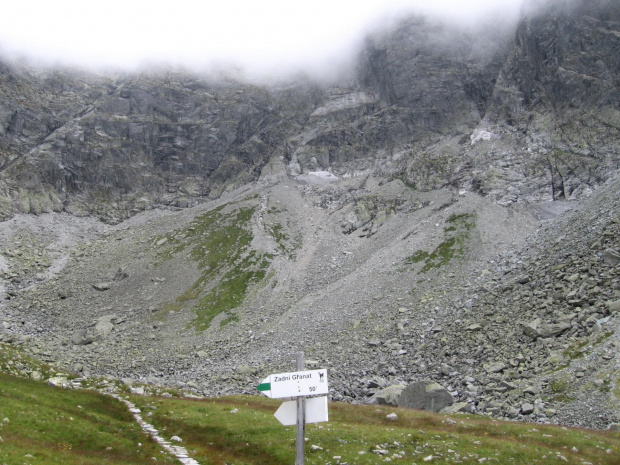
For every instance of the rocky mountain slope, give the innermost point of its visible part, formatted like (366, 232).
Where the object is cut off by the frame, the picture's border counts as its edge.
(525, 112)
(448, 211)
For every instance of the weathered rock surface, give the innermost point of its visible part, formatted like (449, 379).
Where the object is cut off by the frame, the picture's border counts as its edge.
(425, 395)
(388, 395)
(512, 112)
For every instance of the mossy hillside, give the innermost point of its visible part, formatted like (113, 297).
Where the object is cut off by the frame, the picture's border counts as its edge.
(47, 425)
(40, 424)
(456, 235)
(243, 431)
(219, 242)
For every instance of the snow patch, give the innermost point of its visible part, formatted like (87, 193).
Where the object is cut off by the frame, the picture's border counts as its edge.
(318, 177)
(482, 135)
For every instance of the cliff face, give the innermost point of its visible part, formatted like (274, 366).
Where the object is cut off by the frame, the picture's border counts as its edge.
(555, 105)
(169, 138)
(525, 114)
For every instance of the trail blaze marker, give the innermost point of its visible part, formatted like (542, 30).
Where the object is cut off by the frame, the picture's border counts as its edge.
(295, 384)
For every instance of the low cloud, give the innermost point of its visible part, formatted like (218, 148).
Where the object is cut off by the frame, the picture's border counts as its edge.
(269, 36)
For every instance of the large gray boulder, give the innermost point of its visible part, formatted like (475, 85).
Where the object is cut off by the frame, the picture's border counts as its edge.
(99, 330)
(425, 395)
(388, 395)
(536, 329)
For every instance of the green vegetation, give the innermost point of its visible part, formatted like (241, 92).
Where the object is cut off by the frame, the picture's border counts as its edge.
(417, 257)
(48, 425)
(578, 349)
(243, 431)
(560, 386)
(40, 424)
(456, 235)
(286, 244)
(219, 243)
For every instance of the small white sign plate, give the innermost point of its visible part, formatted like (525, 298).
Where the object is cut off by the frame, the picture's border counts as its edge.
(315, 411)
(299, 383)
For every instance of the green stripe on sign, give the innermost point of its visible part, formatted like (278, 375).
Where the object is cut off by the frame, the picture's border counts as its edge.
(264, 387)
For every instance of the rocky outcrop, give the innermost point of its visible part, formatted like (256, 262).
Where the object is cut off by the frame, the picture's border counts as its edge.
(526, 116)
(553, 113)
(170, 138)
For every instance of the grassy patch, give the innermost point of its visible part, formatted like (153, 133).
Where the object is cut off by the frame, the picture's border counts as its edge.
(417, 257)
(283, 240)
(456, 234)
(287, 244)
(47, 425)
(560, 388)
(40, 424)
(243, 431)
(219, 242)
(578, 349)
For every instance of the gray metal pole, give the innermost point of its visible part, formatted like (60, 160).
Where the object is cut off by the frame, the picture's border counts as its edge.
(301, 419)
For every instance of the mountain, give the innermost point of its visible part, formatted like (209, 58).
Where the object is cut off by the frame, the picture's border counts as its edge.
(447, 210)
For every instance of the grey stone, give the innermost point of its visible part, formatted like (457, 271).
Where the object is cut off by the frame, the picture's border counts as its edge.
(96, 332)
(611, 257)
(614, 306)
(527, 408)
(425, 395)
(102, 286)
(536, 329)
(388, 395)
(475, 327)
(59, 381)
(457, 407)
(494, 367)
(507, 384)
(247, 370)
(121, 274)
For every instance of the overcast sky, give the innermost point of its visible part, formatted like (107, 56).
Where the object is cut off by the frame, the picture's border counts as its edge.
(266, 34)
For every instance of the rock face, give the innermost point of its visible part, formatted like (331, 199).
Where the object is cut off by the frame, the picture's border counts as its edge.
(513, 112)
(554, 92)
(425, 395)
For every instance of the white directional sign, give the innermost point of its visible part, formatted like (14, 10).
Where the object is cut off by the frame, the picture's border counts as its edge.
(299, 383)
(315, 411)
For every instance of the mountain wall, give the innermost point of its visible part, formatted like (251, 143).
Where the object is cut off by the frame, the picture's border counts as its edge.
(515, 112)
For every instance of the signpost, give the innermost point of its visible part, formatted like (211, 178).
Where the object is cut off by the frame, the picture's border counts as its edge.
(315, 411)
(298, 384)
(295, 384)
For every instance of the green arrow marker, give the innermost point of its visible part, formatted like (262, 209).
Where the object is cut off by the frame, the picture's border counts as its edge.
(264, 387)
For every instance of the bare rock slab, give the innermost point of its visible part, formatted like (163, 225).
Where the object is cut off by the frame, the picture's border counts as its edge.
(425, 395)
